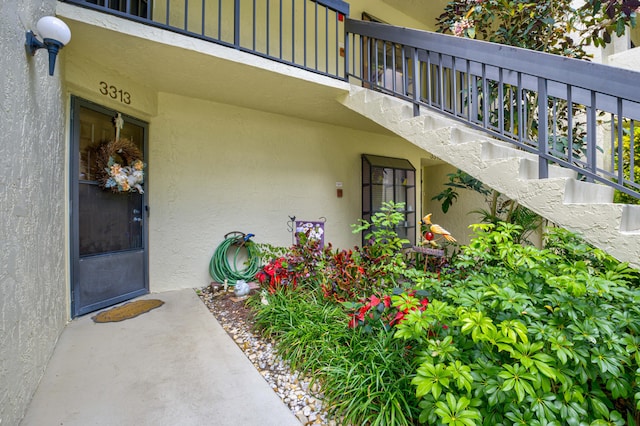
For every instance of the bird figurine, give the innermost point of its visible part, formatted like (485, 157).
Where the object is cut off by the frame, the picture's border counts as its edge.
(435, 232)
(241, 288)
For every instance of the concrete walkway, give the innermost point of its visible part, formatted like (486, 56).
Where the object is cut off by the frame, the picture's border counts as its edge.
(174, 365)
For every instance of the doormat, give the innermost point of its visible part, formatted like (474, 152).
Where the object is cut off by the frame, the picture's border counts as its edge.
(128, 310)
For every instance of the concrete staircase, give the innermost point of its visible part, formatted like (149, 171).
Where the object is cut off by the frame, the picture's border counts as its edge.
(584, 208)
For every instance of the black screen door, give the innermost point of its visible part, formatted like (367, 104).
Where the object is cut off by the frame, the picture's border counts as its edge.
(109, 233)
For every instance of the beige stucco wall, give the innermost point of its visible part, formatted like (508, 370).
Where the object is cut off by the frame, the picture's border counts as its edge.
(33, 305)
(387, 13)
(459, 216)
(217, 168)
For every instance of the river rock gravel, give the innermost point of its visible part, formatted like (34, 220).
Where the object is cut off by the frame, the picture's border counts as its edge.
(299, 393)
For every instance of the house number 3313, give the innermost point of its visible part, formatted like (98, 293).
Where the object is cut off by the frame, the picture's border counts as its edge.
(115, 93)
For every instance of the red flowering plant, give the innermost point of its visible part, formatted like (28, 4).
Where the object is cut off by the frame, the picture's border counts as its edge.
(372, 268)
(277, 274)
(385, 310)
(296, 265)
(343, 275)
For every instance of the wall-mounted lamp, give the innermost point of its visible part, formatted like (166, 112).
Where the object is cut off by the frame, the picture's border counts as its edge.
(55, 34)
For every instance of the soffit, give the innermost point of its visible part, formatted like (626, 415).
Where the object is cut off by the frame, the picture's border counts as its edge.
(172, 63)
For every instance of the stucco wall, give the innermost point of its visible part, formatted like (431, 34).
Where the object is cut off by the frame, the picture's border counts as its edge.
(217, 168)
(32, 273)
(387, 13)
(629, 59)
(459, 216)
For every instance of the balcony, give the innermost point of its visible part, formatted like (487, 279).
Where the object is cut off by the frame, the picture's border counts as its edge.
(307, 34)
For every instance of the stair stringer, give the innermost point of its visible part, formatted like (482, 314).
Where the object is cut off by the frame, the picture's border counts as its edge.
(584, 208)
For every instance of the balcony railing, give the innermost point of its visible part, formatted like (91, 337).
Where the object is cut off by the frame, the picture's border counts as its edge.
(308, 34)
(578, 114)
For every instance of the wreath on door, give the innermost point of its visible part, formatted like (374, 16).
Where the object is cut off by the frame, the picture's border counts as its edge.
(120, 166)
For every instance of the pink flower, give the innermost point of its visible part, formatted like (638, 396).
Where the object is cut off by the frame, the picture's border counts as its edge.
(461, 26)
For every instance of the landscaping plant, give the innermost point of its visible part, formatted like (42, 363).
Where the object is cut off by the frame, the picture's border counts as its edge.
(379, 264)
(544, 26)
(508, 334)
(553, 26)
(286, 268)
(365, 374)
(334, 328)
(534, 336)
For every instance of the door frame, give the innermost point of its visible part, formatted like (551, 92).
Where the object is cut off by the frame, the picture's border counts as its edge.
(74, 171)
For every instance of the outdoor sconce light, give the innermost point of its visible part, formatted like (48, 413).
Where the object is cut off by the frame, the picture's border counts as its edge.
(55, 34)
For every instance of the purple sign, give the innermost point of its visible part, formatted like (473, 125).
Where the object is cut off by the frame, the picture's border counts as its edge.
(313, 229)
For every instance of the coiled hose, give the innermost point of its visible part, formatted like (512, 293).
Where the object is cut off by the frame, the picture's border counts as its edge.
(220, 269)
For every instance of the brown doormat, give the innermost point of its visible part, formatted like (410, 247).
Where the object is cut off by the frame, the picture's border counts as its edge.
(128, 310)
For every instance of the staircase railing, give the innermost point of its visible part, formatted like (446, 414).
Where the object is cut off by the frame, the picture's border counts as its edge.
(574, 113)
(307, 34)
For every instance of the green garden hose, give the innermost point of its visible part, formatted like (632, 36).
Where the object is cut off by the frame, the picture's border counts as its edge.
(220, 269)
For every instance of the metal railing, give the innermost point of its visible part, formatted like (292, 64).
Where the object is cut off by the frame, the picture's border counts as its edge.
(307, 34)
(574, 113)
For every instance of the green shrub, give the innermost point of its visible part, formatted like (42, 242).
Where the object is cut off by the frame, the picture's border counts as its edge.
(534, 336)
(303, 324)
(368, 381)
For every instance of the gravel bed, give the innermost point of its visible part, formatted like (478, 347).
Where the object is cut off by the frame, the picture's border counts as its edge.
(299, 393)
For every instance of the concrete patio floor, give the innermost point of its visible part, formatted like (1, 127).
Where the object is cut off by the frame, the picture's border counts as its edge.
(174, 365)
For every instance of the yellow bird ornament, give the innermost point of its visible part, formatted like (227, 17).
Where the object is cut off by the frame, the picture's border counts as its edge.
(435, 232)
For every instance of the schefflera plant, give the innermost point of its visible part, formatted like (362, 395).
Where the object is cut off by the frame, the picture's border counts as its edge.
(535, 336)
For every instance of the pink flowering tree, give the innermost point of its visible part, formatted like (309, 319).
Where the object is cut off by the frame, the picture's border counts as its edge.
(553, 26)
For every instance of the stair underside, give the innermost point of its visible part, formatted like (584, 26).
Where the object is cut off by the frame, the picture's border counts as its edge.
(584, 208)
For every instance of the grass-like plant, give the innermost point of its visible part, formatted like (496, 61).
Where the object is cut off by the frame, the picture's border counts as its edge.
(365, 376)
(368, 380)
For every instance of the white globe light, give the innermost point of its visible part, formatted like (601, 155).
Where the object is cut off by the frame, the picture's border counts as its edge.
(54, 28)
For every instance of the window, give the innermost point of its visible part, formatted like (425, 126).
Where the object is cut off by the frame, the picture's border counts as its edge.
(389, 179)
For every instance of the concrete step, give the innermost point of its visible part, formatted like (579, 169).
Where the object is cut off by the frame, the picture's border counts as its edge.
(400, 109)
(630, 220)
(578, 192)
(529, 170)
